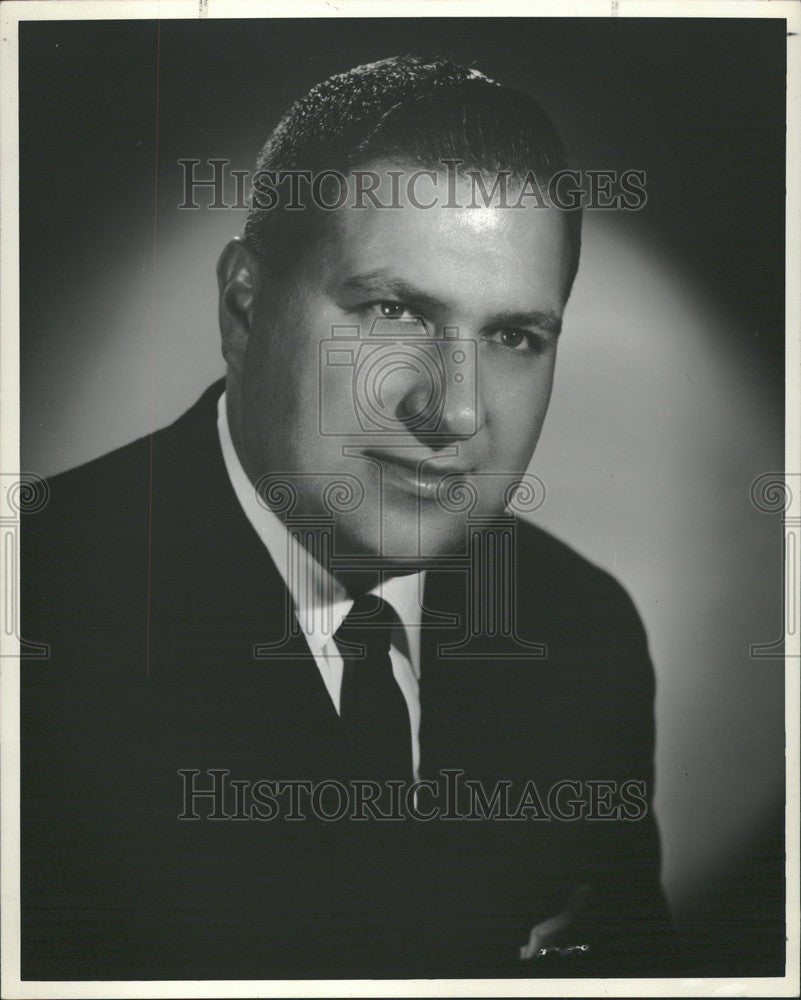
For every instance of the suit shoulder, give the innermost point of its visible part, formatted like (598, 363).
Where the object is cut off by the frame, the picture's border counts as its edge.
(557, 559)
(592, 628)
(117, 481)
(88, 535)
(567, 580)
(116, 471)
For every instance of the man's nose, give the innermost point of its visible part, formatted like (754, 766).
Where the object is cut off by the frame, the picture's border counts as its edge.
(440, 401)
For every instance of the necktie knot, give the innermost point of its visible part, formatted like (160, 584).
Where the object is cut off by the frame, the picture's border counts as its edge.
(366, 630)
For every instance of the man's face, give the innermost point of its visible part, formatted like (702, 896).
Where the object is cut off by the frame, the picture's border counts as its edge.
(412, 352)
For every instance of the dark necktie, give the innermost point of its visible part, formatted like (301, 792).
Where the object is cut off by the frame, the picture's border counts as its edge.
(372, 707)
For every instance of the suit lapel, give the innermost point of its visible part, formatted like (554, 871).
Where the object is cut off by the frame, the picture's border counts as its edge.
(221, 609)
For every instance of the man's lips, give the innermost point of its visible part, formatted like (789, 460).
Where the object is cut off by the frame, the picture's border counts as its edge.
(416, 475)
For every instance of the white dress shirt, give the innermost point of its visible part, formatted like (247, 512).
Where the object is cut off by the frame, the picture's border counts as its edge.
(321, 603)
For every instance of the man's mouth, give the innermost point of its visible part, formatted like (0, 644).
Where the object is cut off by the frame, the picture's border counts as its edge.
(418, 477)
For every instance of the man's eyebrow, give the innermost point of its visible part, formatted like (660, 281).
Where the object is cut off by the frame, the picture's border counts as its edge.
(382, 283)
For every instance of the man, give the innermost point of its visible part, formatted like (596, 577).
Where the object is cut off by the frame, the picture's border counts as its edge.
(309, 589)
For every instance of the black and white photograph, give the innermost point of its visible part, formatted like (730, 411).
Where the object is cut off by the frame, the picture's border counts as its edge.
(401, 499)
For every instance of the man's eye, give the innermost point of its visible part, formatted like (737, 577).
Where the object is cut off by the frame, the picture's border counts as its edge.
(394, 310)
(522, 341)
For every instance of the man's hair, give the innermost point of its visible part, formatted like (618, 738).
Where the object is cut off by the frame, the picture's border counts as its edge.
(409, 111)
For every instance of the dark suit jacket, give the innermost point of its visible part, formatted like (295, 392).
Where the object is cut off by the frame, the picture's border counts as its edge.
(150, 587)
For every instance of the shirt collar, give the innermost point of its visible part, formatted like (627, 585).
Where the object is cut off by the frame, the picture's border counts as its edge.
(320, 601)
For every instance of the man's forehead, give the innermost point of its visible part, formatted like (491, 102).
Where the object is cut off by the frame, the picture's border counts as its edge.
(441, 250)
(401, 197)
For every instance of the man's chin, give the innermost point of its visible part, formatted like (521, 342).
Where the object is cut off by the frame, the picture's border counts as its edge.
(403, 545)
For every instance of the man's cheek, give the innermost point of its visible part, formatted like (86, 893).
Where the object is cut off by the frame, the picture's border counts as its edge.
(515, 430)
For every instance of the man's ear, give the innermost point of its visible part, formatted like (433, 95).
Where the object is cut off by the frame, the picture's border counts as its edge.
(237, 278)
